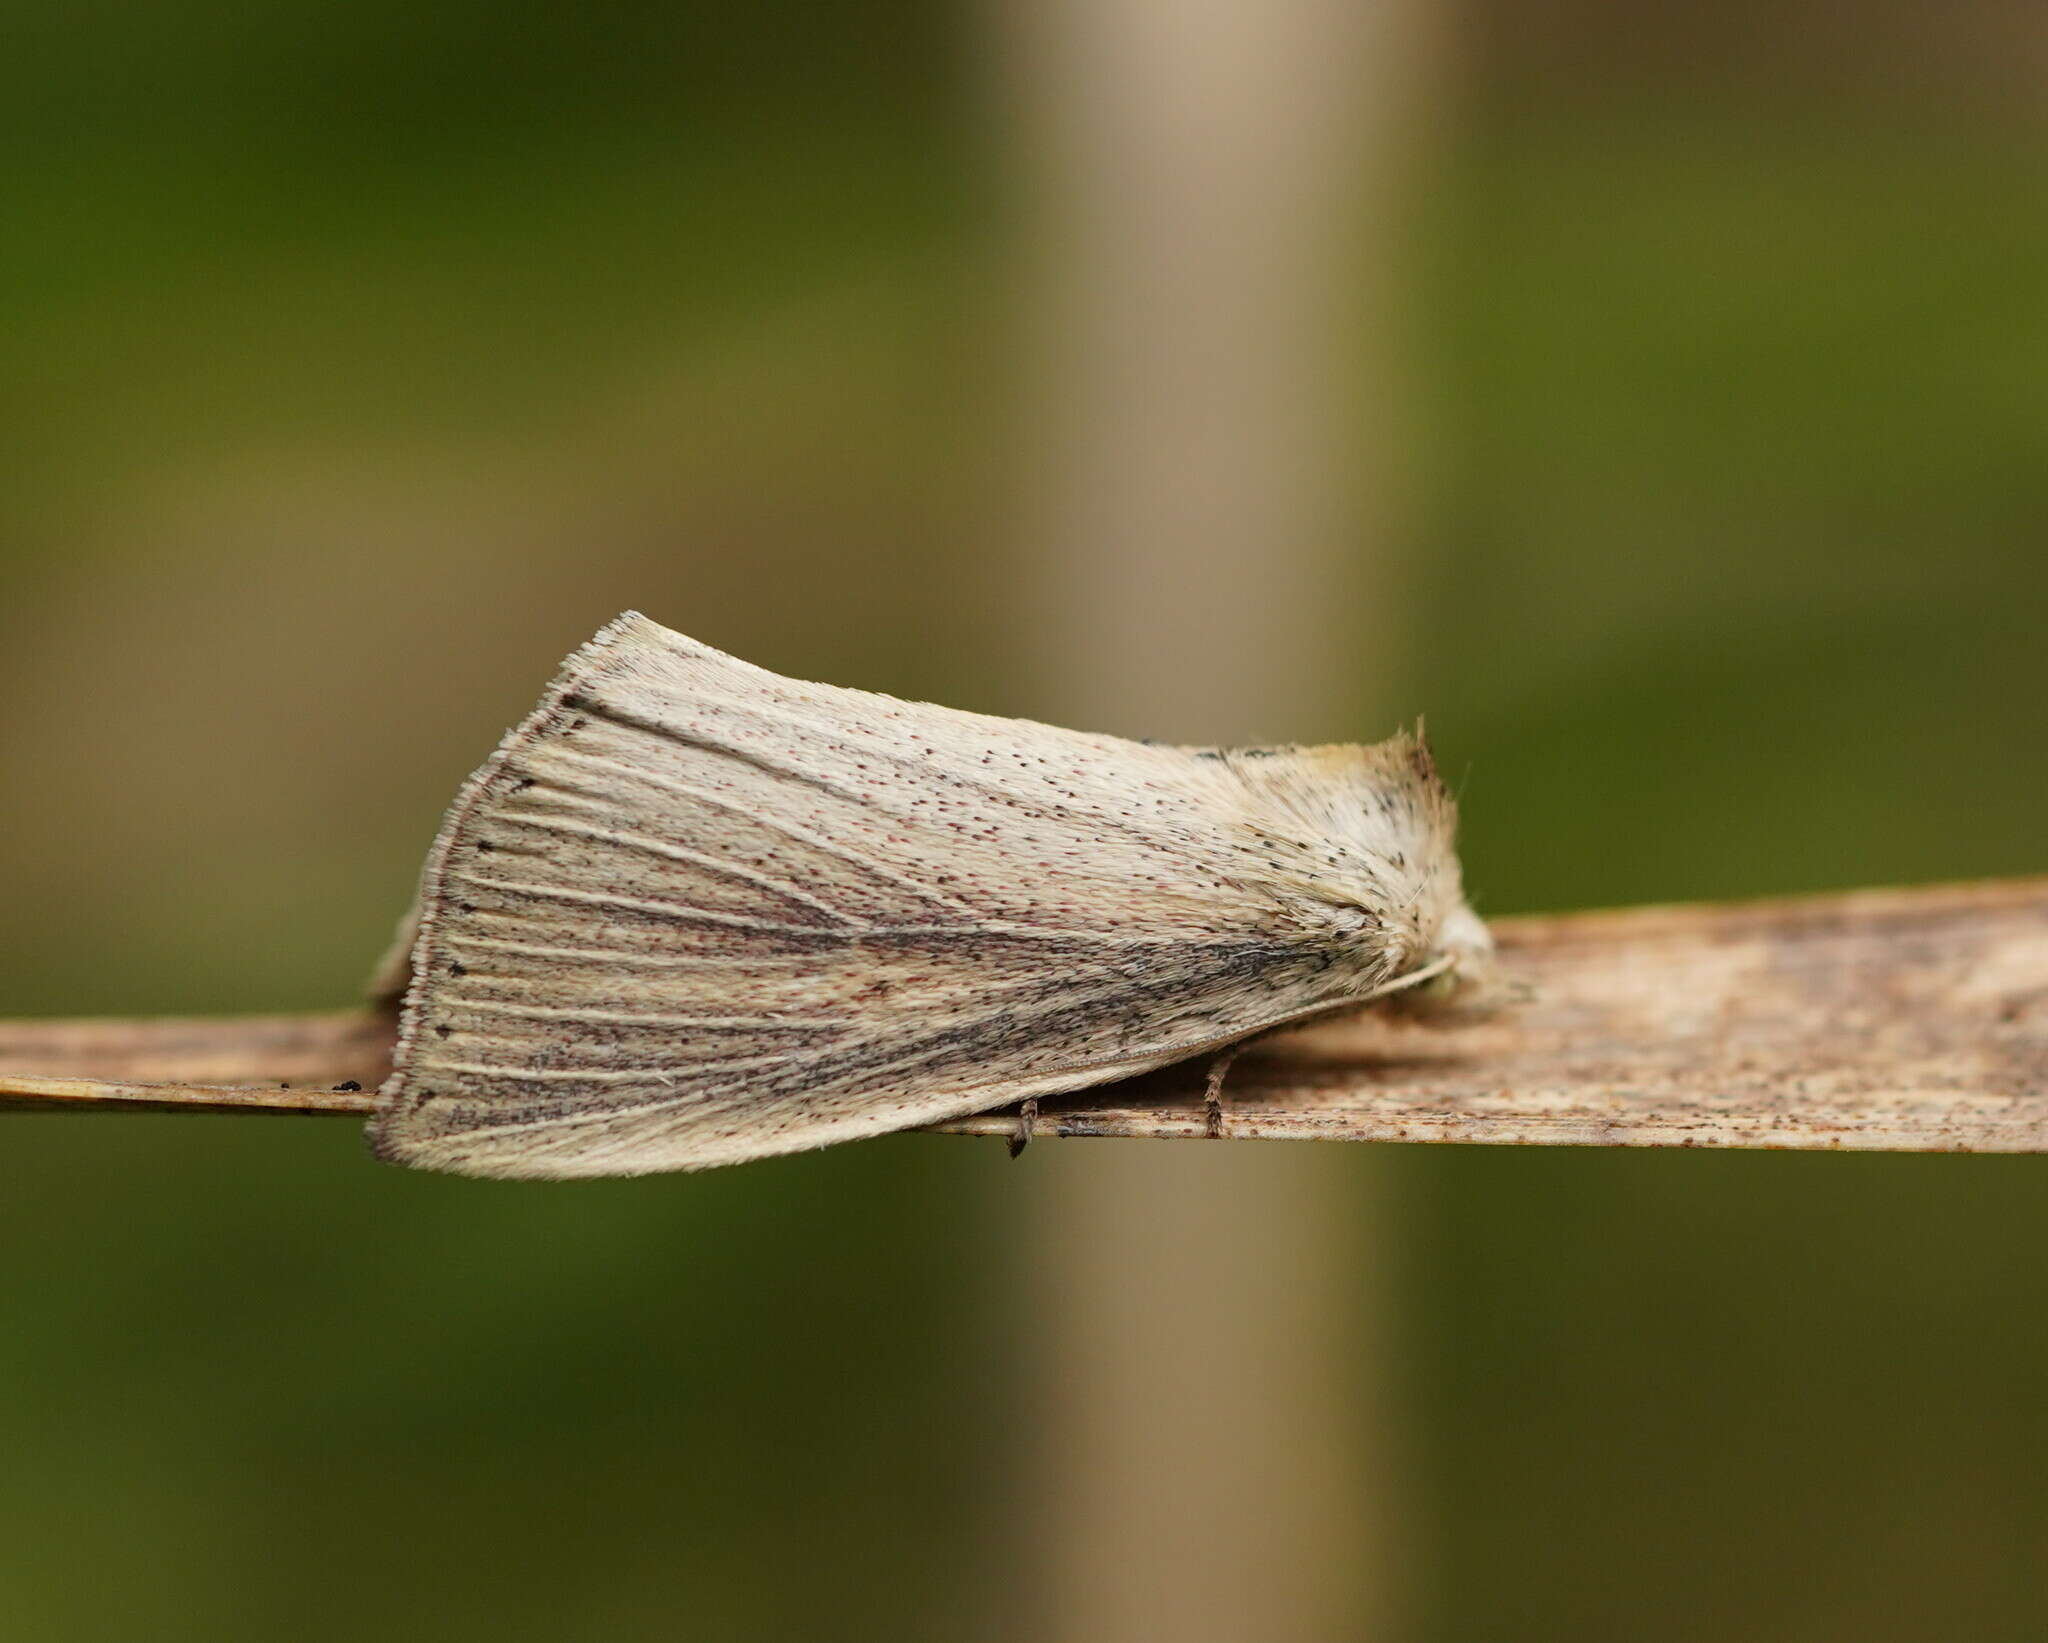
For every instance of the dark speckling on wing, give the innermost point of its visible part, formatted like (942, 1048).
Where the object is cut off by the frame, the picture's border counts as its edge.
(691, 912)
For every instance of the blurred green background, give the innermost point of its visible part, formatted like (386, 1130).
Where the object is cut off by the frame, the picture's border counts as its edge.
(359, 360)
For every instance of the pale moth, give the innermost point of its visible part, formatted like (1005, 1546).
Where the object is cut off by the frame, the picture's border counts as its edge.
(691, 913)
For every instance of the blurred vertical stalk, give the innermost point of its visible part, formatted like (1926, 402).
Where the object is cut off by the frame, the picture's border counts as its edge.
(1211, 1459)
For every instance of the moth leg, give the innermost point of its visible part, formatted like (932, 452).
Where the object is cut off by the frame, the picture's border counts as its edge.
(1212, 1098)
(1027, 1121)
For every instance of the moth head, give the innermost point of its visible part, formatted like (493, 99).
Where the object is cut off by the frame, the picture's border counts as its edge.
(1379, 851)
(1469, 980)
(1450, 944)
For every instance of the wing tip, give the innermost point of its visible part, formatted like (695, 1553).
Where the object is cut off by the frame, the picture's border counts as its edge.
(620, 638)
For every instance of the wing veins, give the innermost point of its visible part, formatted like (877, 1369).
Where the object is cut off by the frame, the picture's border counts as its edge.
(790, 830)
(676, 853)
(677, 911)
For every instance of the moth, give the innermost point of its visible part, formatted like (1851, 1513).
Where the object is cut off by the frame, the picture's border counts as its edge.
(691, 913)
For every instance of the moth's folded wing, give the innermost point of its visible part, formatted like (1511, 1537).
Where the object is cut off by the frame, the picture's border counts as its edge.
(691, 913)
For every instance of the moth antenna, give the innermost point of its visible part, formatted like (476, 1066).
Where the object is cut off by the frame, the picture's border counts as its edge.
(1414, 978)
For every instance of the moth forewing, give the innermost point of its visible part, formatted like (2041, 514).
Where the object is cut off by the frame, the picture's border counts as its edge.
(691, 913)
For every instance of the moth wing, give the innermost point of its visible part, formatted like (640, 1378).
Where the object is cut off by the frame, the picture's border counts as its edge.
(691, 913)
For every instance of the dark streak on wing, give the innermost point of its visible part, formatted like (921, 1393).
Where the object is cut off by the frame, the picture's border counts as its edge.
(1152, 1000)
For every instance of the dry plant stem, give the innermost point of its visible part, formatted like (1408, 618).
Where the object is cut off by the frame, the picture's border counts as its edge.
(1901, 1020)
(264, 1063)
(1910, 1020)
